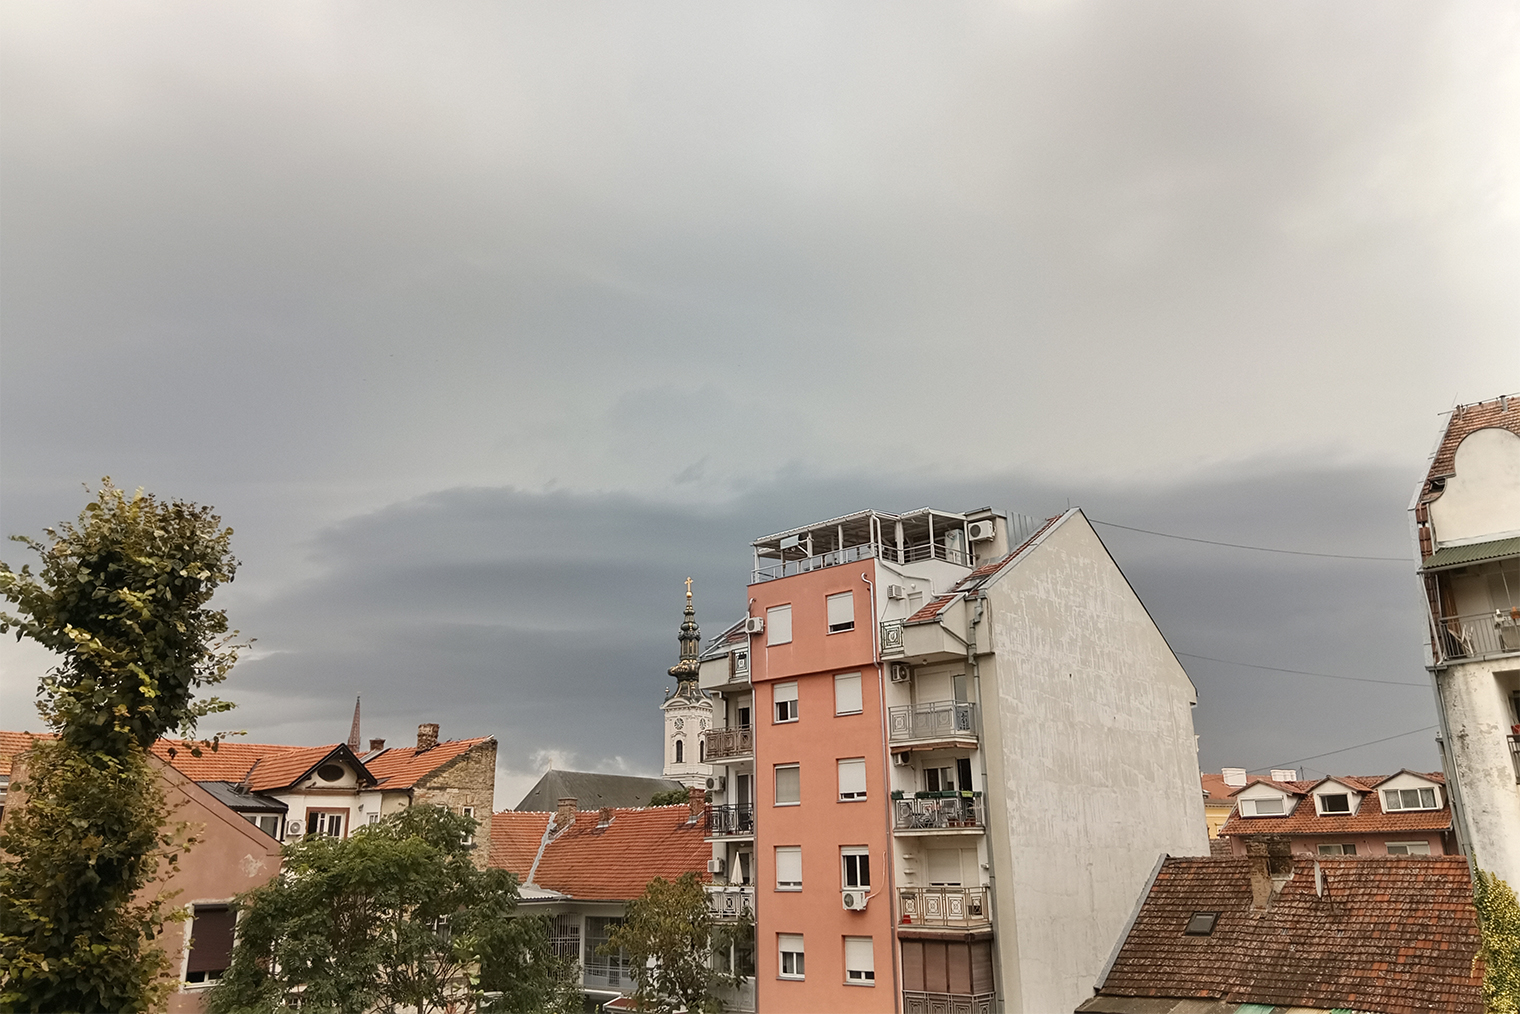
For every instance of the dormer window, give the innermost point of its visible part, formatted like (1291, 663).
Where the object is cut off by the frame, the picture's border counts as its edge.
(1269, 807)
(1335, 802)
(1409, 799)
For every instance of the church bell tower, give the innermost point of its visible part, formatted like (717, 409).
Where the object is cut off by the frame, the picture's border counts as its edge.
(688, 710)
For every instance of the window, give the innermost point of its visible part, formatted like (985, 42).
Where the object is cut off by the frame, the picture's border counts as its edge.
(469, 836)
(1337, 850)
(791, 955)
(1409, 848)
(609, 970)
(1409, 799)
(269, 823)
(5, 784)
(841, 612)
(939, 779)
(1201, 924)
(1263, 807)
(785, 696)
(331, 772)
(1338, 802)
(565, 937)
(210, 943)
(680, 752)
(778, 625)
(743, 865)
(741, 717)
(857, 866)
(788, 867)
(788, 785)
(859, 961)
(326, 822)
(701, 751)
(847, 694)
(852, 778)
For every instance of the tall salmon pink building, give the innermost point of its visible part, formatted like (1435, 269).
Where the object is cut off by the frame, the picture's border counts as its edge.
(949, 749)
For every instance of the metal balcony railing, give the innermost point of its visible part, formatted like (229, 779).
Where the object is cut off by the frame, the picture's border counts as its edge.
(729, 744)
(604, 974)
(940, 720)
(946, 813)
(731, 819)
(731, 902)
(1478, 635)
(1514, 756)
(951, 907)
(947, 1003)
(808, 564)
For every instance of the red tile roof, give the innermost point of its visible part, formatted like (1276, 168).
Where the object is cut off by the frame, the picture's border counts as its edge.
(1396, 935)
(403, 766)
(276, 767)
(12, 743)
(1215, 790)
(614, 863)
(1368, 819)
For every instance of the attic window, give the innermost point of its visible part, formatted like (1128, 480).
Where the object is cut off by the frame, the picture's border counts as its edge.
(330, 772)
(1201, 924)
(1272, 807)
(1339, 802)
(1409, 799)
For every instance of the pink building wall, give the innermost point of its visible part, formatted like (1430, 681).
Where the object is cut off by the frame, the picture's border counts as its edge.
(1366, 844)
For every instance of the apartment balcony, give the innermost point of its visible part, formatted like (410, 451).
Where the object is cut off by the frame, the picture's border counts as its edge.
(729, 744)
(947, 1003)
(609, 975)
(731, 820)
(731, 902)
(924, 726)
(944, 907)
(1478, 635)
(1514, 756)
(939, 813)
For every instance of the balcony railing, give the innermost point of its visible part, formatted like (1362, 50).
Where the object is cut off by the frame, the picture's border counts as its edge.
(609, 975)
(731, 902)
(1514, 756)
(808, 564)
(1478, 635)
(731, 820)
(729, 744)
(946, 813)
(949, 907)
(940, 720)
(947, 1003)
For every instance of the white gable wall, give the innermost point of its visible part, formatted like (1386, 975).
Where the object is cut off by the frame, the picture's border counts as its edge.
(1092, 763)
(1482, 501)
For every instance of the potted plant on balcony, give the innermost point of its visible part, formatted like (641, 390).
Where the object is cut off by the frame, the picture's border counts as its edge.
(897, 793)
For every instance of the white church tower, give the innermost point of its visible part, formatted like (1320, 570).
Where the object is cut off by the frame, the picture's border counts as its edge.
(688, 710)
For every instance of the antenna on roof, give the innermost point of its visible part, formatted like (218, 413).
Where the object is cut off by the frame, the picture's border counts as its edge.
(353, 732)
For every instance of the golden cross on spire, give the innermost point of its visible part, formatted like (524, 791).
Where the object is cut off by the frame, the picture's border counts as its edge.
(688, 587)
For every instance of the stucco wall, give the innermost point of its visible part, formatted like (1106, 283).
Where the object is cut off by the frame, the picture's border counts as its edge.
(1479, 718)
(1482, 501)
(1092, 763)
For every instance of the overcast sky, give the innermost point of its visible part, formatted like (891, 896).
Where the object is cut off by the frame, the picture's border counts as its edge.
(486, 324)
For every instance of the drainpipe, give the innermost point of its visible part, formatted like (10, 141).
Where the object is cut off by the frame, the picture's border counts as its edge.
(886, 775)
(976, 681)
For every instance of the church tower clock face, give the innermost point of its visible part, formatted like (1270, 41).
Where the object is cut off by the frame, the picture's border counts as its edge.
(680, 724)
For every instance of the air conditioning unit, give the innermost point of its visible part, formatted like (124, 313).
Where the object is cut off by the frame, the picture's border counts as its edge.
(294, 828)
(899, 672)
(717, 783)
(901, 760)
(715, 866)
(896, 591)
(754, 625)
(981, 531)
(855, 901)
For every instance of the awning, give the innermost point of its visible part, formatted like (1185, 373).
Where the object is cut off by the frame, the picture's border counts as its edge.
(1476, 552)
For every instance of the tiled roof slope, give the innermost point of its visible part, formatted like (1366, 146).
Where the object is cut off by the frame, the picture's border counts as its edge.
(229, 762)
(614, 863)
(1214, 788)
(403, 766)
(1395, 935)
(281, 766)
(1368, 819)
(12, 743)
(932, 608)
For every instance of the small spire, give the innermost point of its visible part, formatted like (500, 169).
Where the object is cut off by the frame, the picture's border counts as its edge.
(353, 733)
(690, 636)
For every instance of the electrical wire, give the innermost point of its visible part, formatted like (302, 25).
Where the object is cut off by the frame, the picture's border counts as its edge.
(1257, 549)
(1345, 749)
(1305, 672)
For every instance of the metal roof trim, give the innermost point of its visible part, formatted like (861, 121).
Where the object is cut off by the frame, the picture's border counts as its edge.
(1476, 552)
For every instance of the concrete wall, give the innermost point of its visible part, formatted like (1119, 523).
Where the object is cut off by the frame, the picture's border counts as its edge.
(1092, 763)
(468, 780)
(1482, 501)
(1475, 697)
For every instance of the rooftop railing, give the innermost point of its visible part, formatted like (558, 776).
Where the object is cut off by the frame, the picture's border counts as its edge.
(939, 720)
(1478, 635)
(945, 813)
(731, 820)
(915, 1002)
(729, 744)
(808, 564)
(948, 907)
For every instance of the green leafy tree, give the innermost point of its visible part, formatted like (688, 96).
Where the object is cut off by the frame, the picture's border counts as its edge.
(670, 797)
(121, 596)
(668, 936)
(397, 916)
(1499, 919)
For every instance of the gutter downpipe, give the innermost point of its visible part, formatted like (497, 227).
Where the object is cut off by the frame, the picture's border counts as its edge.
(886, 774)
(976, 681)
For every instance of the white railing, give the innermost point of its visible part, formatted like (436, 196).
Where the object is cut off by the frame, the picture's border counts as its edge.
(953, 907)
(939, 720)
(731, 902)
(1478, 635)
(944, 813)
(808, 564)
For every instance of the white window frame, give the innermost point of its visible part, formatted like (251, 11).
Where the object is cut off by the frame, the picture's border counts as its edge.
(469, 837)
(1256, 803)
(1335, 849)
(1319, 803)
(849, 702)
(784, 702)
(790, 944)
(778, 625)
(776, 786)
(790, 856)
(846, 880)
(859, 961)
(1393, 801)
(1409, 848)
(834, 604)
(851, 765)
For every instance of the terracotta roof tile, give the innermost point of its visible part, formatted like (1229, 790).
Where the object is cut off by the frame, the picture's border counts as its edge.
(402, 767)
(12, 743)
(1396, 935)
(1214, 788)
(1368, 819)
(614, 863)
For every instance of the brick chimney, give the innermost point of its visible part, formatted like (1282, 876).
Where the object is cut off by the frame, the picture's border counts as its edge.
(564, 815)
(427, 736)
(604, 816)
(376, 745)
(1271, 869)
(696, 799)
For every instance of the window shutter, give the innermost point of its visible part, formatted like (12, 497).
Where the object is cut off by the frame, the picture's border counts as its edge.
(841, 612)
(778, 625)
(847, 699)
(859, 955)
(852, 779)
(944, 866)
(211, 940)
(788, 867)
(788, 784)
(913, 966)
(981, 966)
(785, 692)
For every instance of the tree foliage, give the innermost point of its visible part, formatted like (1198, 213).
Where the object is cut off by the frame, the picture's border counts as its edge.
(669, 797)
(395, 916)
(1499, 919)
(122, 595)
(668, 936)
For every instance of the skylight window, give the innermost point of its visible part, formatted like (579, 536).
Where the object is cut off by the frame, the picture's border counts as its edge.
(1201, 924)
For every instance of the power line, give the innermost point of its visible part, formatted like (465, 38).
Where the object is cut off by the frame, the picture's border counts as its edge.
(1345, 749)
(1258, 549)
(1305, 672)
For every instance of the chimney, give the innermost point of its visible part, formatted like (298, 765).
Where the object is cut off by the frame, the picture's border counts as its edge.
(564, 815)
(604, 816)
(696, 799)
(1234, 776)
(1271, 869)
(376, 745)
(427, 736)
